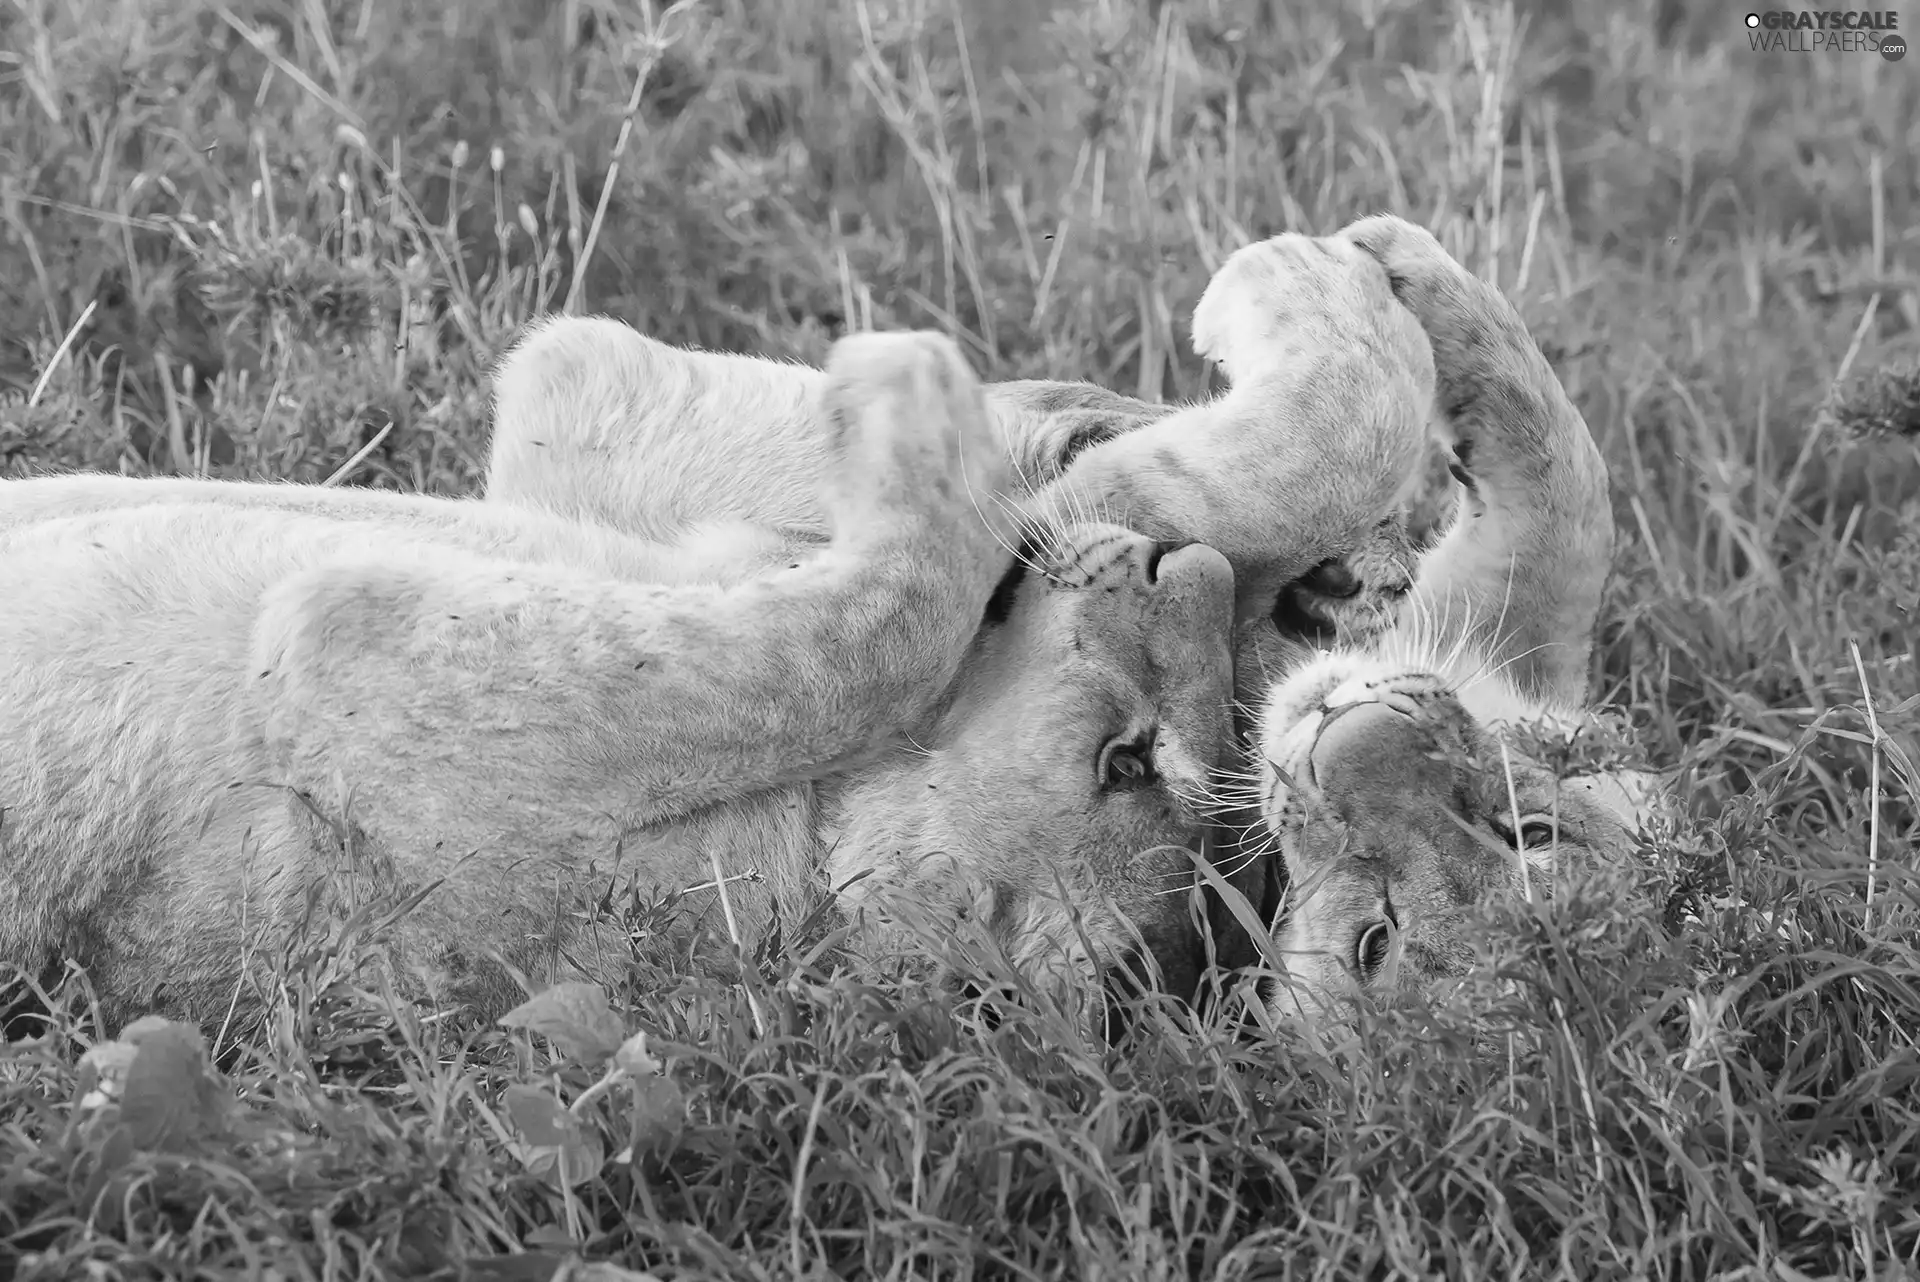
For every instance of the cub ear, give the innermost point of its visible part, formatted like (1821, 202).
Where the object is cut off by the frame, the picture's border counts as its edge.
(1079, 430)
(1052, 422)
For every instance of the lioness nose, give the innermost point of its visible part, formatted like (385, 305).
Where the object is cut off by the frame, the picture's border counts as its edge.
(1180, 957)
(1158, 551)
(1182, 562)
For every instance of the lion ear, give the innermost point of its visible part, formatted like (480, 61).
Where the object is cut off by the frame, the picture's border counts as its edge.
(1648, 795)
(1639, 799)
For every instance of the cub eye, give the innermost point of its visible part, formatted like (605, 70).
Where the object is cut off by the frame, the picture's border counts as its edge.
(1127, 764)
(1371, 949)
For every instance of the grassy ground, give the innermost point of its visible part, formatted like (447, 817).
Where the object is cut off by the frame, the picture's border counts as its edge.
(254, 238)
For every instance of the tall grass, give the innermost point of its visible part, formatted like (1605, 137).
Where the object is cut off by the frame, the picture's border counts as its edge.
(271, 238)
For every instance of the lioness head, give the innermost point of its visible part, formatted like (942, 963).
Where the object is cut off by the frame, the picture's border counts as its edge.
(1063, 786)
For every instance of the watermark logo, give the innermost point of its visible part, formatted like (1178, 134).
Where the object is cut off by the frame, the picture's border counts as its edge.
(1828, 31)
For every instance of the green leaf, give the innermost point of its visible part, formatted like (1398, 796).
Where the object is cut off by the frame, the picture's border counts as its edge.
(115, 1153)
(581, 1157)
(633, 1059)
(575, 1018)
(556, 1146)
(539, 1117)
(659, 1115)
(171, 1099)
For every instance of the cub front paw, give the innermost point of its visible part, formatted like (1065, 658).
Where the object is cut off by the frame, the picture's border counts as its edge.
(1289, 297)
(911, 429)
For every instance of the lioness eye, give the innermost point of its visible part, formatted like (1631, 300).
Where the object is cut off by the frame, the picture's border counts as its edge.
(1537, 834)
(1126, 764)
(1533, 834)
(1370, 953)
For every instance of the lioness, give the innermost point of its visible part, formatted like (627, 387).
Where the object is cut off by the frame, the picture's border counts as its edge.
(214, 694)
(1383, 840)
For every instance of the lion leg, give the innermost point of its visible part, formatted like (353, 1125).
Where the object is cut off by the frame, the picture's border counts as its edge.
(1521, 568)
(1314, 443)
(644, 702)
(595, 421)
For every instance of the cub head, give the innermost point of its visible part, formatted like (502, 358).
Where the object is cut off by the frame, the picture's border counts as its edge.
(1060, 794)
(1397, 795)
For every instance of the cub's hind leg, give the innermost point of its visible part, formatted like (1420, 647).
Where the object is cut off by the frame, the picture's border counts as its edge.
(720, 457)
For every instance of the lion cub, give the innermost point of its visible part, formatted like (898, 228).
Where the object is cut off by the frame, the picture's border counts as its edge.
(1391, 781)
(217, 693)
